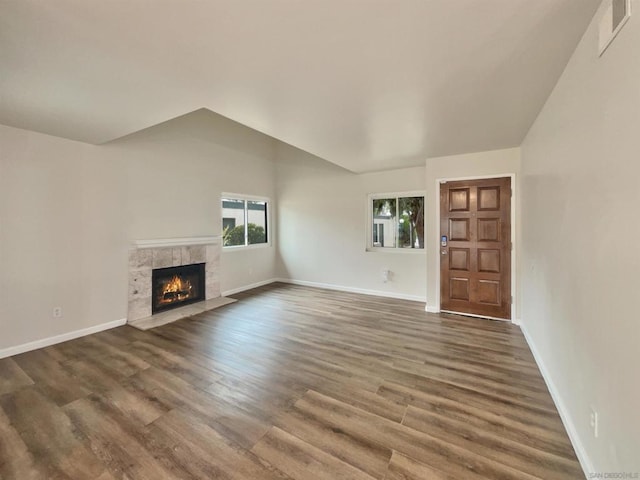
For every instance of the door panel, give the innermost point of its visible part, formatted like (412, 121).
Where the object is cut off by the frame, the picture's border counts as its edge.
(459, 259)
(459, 229)
(488, 260)
(459, 200)
(489, 229)
(460, 288)
(475, 266)
(488, 198)
(489, 292)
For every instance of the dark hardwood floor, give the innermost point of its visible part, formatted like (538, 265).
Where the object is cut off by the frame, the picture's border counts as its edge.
(288, 383)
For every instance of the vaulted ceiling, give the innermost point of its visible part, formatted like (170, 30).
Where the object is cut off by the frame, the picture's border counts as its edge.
(366, 84)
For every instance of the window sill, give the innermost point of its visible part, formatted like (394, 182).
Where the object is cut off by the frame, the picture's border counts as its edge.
(409, 251)
(240, 248)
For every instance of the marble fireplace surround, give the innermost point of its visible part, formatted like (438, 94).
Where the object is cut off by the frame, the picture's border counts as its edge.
(145, 255)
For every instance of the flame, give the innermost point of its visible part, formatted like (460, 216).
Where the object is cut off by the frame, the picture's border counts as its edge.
(177, 286)
(174, 285)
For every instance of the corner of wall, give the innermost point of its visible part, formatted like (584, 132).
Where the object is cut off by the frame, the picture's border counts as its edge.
(563, 411)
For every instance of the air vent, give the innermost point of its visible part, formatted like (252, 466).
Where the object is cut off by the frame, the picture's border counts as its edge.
(616, 13)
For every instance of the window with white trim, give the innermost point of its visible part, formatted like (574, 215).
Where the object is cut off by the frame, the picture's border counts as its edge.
(396, 221)
(245, 220)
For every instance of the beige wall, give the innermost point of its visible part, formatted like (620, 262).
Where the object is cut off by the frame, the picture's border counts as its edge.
(482, 164)
(59, 245)
(580, 198)
(69, 211)
(193, 159)
(323, 226)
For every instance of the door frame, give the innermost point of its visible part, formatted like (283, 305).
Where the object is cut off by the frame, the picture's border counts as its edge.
(436, 241)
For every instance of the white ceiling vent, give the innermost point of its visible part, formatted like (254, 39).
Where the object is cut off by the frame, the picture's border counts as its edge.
(616, 13)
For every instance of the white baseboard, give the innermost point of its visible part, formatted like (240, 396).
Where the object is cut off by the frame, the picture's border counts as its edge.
(262, 283)
(583, 458)
(434, 309)
(46, 342)
(363, 291)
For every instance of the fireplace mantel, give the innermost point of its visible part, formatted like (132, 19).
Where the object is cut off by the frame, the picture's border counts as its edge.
(177, 242)
(146, 255)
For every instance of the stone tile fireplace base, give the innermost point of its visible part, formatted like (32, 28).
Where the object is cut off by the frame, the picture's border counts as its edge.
(149, 254)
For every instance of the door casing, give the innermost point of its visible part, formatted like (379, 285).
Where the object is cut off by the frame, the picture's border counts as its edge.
(436, 241)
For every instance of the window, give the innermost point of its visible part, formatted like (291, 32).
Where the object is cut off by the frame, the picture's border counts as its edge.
(396, 221)
(244, 221)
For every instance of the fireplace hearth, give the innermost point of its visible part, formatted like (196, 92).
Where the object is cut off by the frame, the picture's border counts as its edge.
(174, 287)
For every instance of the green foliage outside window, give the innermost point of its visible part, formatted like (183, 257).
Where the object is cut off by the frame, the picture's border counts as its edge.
(235, 236)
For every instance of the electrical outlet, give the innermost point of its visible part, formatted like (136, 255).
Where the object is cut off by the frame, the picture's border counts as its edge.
(593, 421)
(57, 312)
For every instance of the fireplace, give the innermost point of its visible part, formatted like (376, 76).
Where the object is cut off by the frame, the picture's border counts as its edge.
(174, 287)
(147, 255)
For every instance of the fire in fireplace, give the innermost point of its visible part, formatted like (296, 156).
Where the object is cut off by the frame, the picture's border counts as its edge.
(177, 286)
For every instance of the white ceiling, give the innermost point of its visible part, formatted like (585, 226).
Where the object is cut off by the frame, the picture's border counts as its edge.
(366, 84)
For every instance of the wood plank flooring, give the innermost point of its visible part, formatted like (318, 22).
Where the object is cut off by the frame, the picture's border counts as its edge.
(288, 383)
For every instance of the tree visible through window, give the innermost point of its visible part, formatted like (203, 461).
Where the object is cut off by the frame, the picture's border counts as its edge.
(398, 222)
(244, 222)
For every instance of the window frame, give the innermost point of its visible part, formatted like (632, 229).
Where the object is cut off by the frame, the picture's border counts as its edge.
(369, 222)
(246, 198)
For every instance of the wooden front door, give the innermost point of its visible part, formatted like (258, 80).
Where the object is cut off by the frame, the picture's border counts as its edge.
(475, 263)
